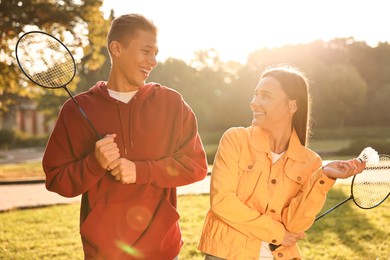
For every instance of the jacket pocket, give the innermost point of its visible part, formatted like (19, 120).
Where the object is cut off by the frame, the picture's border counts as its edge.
(248, 177)
(297, 176)
(295, 180)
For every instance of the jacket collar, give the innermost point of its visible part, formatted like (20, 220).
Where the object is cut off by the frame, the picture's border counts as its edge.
(260, 141)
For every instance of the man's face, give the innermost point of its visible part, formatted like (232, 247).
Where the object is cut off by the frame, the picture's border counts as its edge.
(135, 61)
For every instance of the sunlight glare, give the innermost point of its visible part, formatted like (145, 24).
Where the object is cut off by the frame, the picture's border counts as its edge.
(237, 28)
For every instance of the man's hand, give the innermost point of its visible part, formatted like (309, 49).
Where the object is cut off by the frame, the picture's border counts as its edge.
(123, 170)
(106, 151)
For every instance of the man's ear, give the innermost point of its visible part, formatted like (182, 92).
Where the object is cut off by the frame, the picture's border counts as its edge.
(115, 48)
(292, 104)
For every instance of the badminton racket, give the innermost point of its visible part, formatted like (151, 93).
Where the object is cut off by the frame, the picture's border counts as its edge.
(47, 62)
(370, 188)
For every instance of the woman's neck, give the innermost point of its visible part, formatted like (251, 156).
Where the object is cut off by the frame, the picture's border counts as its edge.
(279, 140)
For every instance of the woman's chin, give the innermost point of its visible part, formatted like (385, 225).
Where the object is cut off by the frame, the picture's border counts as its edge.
(256, 122)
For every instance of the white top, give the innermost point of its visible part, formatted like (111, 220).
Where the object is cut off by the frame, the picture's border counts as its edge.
(275, 157)
(124, 97)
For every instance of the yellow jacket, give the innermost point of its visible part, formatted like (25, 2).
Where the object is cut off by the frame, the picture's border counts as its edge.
(253, 200)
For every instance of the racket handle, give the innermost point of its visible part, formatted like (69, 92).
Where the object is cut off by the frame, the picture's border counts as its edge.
(333, 208)
(273, 247)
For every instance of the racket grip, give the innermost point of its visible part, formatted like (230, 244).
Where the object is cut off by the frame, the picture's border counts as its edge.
(273, 247)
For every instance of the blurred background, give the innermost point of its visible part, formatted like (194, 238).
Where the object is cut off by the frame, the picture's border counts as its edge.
(213, 52)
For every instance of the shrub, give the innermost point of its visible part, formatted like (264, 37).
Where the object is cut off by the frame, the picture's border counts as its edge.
(356, 146)
(23, 140)
(6, 138)
(13, 139)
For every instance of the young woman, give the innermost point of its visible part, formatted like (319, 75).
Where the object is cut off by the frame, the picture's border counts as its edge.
(266, 185)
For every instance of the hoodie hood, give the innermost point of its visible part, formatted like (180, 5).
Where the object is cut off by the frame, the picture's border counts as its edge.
(100, 89)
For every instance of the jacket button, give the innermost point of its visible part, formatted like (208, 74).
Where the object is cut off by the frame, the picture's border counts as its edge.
(273, 241)
(322, 182)
(273, 181)
(299, 178)
(250, 167)
(280, 254)
(272, 211)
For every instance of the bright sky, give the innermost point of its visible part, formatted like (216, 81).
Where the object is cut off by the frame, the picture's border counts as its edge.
(235, 28)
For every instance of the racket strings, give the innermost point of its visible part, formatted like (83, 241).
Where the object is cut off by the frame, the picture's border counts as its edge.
(45, 60)
(372, 186)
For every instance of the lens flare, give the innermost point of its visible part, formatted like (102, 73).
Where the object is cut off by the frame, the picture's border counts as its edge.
(129, 249)
(138, 217)
(172, 171)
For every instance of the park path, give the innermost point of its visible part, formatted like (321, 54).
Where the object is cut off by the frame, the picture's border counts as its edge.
(29, 194)
(33, 193)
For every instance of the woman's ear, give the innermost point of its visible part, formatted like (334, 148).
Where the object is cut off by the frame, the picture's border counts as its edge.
(292, 105)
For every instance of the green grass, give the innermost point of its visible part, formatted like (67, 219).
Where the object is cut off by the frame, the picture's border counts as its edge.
(346, 233)
(21, 170)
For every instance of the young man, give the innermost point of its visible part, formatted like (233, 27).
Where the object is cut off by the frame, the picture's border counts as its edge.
(150, 146)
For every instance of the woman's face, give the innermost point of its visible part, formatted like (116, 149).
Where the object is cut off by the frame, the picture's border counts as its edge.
(271, 106)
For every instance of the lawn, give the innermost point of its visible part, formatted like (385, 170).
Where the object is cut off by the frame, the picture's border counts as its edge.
(346, 233)
(21, 170)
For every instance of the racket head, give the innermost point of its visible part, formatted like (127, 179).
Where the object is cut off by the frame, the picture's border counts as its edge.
(372, 187)
(45, 60)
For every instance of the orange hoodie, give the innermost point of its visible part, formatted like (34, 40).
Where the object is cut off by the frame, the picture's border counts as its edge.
(156, 130)
(253, 200)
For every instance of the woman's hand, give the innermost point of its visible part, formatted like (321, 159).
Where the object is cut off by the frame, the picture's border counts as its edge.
(291, 239)
(344, 169)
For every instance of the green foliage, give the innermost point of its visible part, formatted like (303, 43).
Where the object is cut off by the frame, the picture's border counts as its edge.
(346, 233)
(82, 19)
(356, 146)
(350, 133)
(6, 138)
(220, 93)
(14, 139)
(339, 90)
(348, 142)
(23, 140)
(349, 79)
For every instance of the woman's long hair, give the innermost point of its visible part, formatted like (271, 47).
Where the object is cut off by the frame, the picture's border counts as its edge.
(296, 86)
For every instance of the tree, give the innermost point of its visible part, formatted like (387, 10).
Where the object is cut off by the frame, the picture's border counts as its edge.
(337, 91)
(80, 24)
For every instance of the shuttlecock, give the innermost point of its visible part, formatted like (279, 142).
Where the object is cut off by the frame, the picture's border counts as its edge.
(370, 156)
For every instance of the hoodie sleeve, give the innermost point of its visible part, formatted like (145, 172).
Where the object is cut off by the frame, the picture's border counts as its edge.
(69, 174)
(186, 163)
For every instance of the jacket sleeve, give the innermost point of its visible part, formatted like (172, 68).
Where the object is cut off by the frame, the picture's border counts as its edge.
(225, 203)
(69, 174)
(299, 216)
(187, 162)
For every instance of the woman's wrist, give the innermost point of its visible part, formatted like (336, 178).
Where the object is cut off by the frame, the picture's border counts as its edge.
(323, 170)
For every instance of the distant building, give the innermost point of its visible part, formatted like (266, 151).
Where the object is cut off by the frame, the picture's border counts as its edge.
(25, 118)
